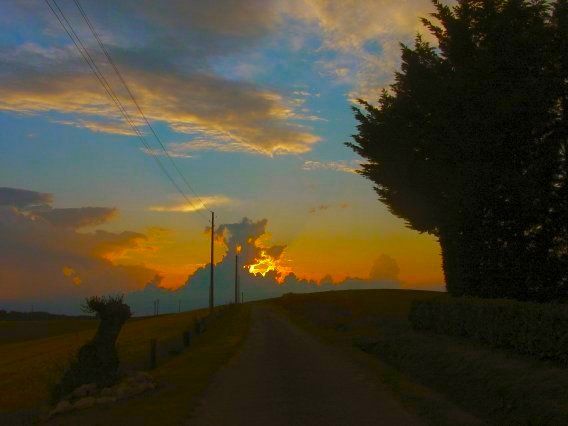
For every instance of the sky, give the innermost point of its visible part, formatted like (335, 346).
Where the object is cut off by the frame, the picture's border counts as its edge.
(251, 99)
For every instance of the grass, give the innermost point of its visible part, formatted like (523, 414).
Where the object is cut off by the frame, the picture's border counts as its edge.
(29, 367)
(19, 331)
(436, 375)
(181, 379)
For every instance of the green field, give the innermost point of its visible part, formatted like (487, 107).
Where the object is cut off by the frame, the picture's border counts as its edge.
(446, 380)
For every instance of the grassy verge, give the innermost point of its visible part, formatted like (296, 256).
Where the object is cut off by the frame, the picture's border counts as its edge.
(339, 319)
(28, 368)
(182, 379)
(20, 331)
(500, 388)
(497, 387)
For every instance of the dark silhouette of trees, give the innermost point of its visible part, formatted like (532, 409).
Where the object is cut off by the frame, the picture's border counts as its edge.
(97, 361)
(469, 144)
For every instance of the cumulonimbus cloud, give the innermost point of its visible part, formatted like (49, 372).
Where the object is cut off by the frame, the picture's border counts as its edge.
(262, 273)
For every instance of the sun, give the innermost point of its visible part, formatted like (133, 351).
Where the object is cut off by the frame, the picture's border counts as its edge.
(266, 263)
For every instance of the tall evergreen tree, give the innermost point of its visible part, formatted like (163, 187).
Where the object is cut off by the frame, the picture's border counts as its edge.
(469, 144)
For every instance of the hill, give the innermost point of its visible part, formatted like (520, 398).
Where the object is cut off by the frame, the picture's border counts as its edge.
(425, 369)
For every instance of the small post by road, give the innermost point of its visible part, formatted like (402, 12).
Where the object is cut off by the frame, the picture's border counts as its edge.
(236, 279)
(186, 338)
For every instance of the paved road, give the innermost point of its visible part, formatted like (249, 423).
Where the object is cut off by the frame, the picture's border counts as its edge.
(284, 376)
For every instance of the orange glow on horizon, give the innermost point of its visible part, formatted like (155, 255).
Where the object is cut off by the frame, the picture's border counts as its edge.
(312, 255)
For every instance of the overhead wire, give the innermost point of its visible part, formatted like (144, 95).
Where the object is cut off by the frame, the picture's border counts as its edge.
(133, 98)
(110, 92)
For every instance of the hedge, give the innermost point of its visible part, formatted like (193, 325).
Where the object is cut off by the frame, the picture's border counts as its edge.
(536, 330)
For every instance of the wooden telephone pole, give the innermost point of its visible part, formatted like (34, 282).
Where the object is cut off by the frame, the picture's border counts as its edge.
(236, 278)
(212, 274)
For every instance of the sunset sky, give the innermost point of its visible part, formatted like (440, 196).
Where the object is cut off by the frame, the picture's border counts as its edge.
(252, 100)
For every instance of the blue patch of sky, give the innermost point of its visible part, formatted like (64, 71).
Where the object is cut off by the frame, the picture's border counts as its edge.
(277, 64)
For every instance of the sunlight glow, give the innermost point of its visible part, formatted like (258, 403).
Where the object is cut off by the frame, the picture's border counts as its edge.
(267, 263)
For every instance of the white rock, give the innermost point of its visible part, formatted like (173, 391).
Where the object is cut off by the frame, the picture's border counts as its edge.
(83, 403)
(142, 376)
(107, 392)
(85, 390)
(121, 392)
(105, 400)
(62, 407)
(138, 389)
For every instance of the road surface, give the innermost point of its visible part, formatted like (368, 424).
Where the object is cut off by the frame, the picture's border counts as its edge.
(285, 376)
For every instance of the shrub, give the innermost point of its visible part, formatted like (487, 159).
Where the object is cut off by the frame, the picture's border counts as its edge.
(537, 330)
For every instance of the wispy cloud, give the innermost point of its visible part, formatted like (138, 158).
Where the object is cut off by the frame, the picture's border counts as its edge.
(174, 153)
(365, 34)
(324, 207)
(114, 127)
(340, 166)
(195, 204)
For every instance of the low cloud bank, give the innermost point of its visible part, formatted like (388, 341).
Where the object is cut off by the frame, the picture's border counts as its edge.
(271, 280)
(46, 264)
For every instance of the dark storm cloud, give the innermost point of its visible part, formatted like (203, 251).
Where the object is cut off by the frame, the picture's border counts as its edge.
(42, 255)
(78, 217)
(23, 198)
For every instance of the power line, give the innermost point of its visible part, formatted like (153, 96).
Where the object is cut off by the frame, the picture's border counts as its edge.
(132, 97)
(108, 88)
(110, 92)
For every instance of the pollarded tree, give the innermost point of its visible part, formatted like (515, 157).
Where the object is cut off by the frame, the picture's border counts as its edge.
(469, 144)
(97, 361)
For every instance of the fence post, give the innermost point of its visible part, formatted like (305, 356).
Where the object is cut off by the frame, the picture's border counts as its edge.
(186, 338)
(153, 362)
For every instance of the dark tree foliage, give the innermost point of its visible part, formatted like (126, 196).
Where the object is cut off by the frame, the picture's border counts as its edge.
(97, 361)
(469, 144)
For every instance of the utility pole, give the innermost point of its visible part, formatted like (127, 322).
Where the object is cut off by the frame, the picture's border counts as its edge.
(236, 278)
(212, 275)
